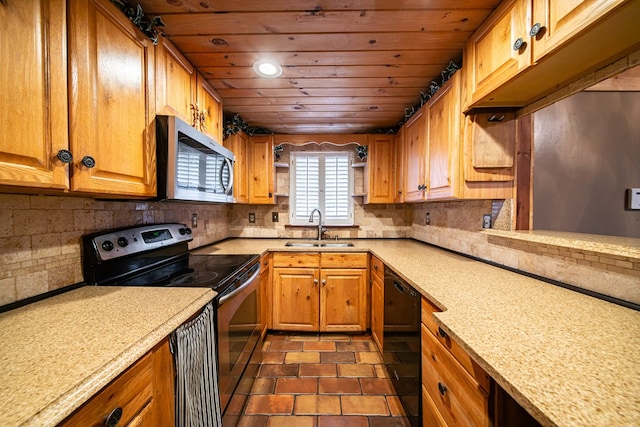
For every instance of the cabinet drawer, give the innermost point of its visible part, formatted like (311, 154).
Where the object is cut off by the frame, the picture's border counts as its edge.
(285, 259)
(132, 392)
(431, 417)
(343, 260)
(458, 352)
(377, 267)
(458, 397)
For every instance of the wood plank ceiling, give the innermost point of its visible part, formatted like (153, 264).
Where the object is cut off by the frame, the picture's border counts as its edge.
(349, 66)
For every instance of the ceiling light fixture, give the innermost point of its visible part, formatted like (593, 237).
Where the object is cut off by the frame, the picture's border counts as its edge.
(268, 69)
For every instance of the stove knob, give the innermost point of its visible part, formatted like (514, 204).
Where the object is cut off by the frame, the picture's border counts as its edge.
(187, 230)
(182, 231)
(123, 242)
(107, 245)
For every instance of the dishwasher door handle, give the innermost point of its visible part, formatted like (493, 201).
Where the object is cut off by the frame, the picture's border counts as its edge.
(239, 289)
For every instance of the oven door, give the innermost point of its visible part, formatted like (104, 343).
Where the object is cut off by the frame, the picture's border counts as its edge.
(239, 326)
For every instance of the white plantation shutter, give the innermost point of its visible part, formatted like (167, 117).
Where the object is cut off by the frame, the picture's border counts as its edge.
(336, 187)
(323, 181)
(307, 185)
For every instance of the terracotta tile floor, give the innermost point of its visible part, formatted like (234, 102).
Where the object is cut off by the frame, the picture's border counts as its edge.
(321, 381)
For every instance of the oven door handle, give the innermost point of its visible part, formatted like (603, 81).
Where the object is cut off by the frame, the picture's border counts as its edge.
(239, 289)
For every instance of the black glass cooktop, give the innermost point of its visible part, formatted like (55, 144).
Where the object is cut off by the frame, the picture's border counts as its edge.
(212, 271)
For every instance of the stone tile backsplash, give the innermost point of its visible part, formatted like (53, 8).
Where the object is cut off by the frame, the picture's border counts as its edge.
(40, 235)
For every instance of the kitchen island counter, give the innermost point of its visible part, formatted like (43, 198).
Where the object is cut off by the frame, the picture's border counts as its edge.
(568, 358)
(57, 353)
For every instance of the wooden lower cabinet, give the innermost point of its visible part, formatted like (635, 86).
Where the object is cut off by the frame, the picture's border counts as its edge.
(144, 393)
(296, 299)
(315, 292)
(265, 284)
(456, 391)
(377, 302)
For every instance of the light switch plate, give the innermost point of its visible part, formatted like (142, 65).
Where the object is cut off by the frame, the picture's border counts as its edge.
(633, 199)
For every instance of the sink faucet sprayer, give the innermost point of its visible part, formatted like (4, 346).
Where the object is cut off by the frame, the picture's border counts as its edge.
(321, 228)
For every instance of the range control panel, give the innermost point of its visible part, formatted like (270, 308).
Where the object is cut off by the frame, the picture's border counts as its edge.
(123, 242)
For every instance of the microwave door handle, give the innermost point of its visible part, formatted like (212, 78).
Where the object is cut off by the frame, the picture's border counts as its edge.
(227, 297)
(229, 188)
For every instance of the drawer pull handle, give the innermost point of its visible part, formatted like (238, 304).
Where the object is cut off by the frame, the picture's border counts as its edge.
(535, 30)
(441, 332)
(113, 418)
(65, 156)
(518, 44)
(442, 389)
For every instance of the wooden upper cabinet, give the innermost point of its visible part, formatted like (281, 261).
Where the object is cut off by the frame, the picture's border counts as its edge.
(559, 20)
(239, 145)
(558, 41)
(175, 82)
(443, 141)
(261, 169)
(33, 94)
(380, 169)
(492, 57)
(111, 111)
(209, 109)
(415, 157)
(400, 166)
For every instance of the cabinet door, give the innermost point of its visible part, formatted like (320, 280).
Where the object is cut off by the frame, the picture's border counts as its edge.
(343, 300)
(399, 166)
(210, 109)
(239, 145)
(562, 19)
(491, 56)
(265, 291)
(443, 141)
(295, 299)
(110, 113)
(377, 311)
(380, 170)
(33, 93)
(261, 170)
(414, 157)
(175, 82)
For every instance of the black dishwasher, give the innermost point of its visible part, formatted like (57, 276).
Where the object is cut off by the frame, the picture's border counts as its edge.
(401, 352)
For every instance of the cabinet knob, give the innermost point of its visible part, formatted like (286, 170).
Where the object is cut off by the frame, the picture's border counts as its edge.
(315, 281)
(441, 332)
(65, 156)
(536, 29)
(88, 161)
(518, 44)
(442, 389)
(113, 418)
(324, 282)
(270, 195)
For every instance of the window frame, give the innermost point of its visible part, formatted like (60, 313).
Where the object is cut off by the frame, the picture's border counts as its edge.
(304, 219)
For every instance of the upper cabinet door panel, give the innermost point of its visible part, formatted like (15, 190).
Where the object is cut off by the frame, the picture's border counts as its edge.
(111, 65)
(561, 20)
(175, 82)
(492, 49)
(33, 93)
(210, 109)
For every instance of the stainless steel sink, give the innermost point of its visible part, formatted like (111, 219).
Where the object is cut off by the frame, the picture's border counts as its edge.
(319, 244)
(337, 244)
(303, 244)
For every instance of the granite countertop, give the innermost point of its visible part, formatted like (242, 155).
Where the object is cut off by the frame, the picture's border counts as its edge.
(57, 353)
(568, 358)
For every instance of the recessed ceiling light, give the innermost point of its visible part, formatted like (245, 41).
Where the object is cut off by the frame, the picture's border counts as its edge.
(267, 69)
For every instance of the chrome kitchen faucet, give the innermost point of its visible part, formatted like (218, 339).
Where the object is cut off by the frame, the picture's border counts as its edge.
(321, 228)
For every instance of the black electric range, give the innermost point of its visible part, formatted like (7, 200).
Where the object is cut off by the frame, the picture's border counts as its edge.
(157, 255)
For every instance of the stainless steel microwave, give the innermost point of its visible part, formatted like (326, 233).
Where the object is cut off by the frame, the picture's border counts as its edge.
(191, 166)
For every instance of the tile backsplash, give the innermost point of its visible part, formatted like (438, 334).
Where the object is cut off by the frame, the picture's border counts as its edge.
(40, 235)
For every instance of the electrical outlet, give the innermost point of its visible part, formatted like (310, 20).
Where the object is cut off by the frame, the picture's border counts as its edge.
(428, 218)
(633, 199)
(252, 218)
(194, 220)
(274, 216)
(486, 221)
